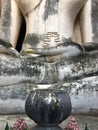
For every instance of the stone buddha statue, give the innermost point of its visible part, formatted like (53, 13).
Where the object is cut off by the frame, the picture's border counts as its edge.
(49, 23)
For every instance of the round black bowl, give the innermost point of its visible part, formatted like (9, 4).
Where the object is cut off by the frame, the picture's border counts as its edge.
(48, 107)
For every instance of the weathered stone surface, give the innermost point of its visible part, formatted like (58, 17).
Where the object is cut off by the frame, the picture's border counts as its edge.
(78, 76)
(95, 20)
(9, 28)
(28, 70)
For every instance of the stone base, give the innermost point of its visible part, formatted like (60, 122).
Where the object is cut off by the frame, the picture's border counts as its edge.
(81, 120)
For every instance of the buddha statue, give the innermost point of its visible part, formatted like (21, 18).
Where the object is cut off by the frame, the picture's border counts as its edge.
(53, 27)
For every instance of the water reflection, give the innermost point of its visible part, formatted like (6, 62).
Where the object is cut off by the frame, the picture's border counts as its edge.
(38, 127)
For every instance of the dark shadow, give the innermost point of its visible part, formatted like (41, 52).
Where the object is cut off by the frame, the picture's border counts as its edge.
(21, 35)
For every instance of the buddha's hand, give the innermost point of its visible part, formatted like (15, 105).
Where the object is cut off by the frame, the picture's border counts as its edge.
(6, 48)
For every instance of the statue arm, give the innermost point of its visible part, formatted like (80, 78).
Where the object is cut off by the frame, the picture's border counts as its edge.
(10, 22)
(86, 22)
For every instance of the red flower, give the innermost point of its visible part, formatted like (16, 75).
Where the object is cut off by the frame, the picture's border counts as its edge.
(20, 124)
(72, 124)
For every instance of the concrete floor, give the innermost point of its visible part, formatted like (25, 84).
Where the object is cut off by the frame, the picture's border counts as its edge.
(91, 121)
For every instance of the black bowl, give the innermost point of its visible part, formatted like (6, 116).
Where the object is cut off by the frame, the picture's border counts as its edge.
(48, 107)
